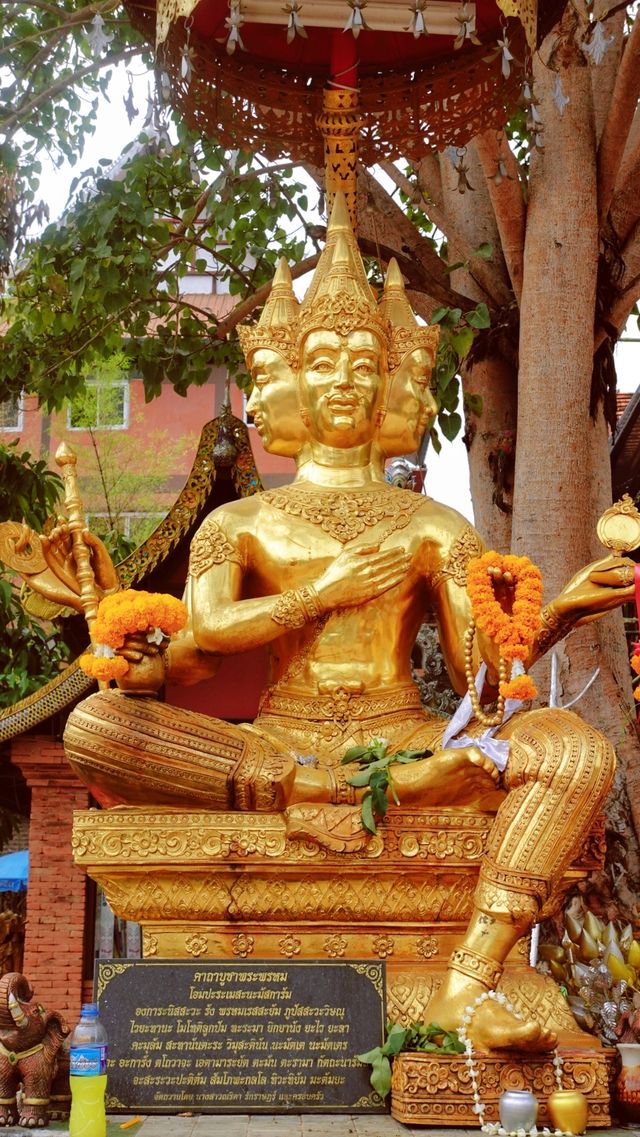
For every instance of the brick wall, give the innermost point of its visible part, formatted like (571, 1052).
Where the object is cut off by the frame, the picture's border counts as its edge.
(54, 937)
(20, 839)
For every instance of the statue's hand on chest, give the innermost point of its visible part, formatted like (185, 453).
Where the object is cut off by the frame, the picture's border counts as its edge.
(351, 577)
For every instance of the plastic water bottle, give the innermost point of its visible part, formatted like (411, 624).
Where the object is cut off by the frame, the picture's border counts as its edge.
(88, 1075)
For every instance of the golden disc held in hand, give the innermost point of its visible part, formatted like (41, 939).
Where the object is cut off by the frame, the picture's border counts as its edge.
(619, 527)
(20, 548)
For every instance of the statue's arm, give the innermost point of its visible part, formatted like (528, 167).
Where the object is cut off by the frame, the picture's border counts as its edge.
(456, 544)
(222, 620)
(596, 589)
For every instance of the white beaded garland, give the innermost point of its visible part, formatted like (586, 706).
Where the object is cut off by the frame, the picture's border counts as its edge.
(494, 1129)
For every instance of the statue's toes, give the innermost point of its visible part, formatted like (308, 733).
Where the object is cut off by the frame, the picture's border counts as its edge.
(536, 1038)
(482, 761)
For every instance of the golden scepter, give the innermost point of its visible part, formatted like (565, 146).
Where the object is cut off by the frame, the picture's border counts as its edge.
(67, 461)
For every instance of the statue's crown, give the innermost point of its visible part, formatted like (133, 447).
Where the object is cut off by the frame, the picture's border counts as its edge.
(276, 328)
(406, 333)
(338, 299)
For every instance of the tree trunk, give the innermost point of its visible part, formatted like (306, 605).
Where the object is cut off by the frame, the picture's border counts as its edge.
(562, 479)
(551, 514)
(491, 443)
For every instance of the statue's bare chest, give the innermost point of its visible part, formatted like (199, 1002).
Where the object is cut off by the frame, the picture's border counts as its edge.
(341, 515)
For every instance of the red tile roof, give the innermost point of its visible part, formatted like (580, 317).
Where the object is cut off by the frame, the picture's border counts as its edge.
(217, 304)
(622, 400)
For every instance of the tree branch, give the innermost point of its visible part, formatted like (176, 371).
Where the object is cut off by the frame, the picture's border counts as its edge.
(384, 224)
(507, 201)
(246, 306)
(625, 205)
(477, 268)
(71, 78)
(429, 177)
(74, 18)
(621, 111)
(619, 313)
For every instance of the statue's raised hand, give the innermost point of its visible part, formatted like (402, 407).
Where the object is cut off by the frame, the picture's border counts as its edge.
(57, 549)
(358, 575)
(596, 589)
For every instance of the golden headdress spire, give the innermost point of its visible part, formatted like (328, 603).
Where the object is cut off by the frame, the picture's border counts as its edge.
(406, 333)
(340, 297)
(339, 225)
(276, 328)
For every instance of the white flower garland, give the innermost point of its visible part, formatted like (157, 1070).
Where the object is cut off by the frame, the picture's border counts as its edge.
(491, 1128)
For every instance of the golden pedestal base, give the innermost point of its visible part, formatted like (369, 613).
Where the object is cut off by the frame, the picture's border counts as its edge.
(233, 886)
(430, 1089)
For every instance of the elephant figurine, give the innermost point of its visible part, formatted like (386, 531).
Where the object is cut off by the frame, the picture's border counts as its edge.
(60, 1093)
(30, 1040)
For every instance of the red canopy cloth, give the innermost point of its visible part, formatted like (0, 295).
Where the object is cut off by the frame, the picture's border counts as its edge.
(416, 94)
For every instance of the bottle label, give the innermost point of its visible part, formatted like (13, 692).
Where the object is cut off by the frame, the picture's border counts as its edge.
(88, 1061)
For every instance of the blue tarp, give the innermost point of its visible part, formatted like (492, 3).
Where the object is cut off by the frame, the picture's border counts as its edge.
(14, 871)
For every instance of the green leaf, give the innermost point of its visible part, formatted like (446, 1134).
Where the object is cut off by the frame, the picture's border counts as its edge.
(379, 800)
(450, 425)
(370, 1056)
(381, 1076)
(473, 403)
(354, 754)
(479, 317)
(448, 316)
(362, 778)
(366, 811)
(396, 1039)
(484, 251)
(461, 341)
(412, 755)
(452, 268)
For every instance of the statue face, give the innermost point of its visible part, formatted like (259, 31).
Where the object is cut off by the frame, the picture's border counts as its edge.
(411, 406)
(274, 404)
(341, 386)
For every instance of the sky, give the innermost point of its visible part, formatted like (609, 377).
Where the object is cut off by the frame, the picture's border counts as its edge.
(447, 478)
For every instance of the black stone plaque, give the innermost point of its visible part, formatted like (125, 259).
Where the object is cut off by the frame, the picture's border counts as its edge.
(267, 1037)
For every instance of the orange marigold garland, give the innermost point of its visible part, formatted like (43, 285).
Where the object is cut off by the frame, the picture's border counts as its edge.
(513, 632)
(125, 613)
(635, 666)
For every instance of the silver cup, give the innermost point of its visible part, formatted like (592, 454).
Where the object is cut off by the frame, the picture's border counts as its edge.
(518, 1110)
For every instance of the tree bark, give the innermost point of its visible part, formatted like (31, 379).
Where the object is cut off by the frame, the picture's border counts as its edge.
(491, 442)
(620, 118)
(562, 468)
(556, 342)
(507, 200)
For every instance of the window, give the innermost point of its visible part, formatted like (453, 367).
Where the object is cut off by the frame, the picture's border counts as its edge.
(11, 414)
(102, 406)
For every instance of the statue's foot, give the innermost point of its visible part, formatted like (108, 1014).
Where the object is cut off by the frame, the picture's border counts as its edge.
(493, 1026)
(462, 776)
(335, 827)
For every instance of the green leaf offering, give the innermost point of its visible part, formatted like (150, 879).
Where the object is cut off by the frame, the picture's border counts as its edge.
(375, 777)
(428, 1038)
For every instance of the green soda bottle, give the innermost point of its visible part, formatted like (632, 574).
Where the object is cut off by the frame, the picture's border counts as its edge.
(88, 1075)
